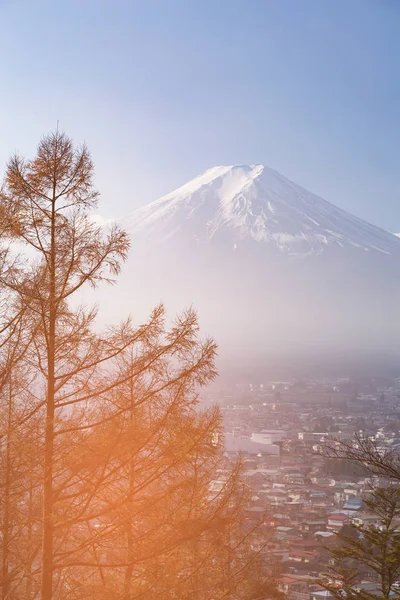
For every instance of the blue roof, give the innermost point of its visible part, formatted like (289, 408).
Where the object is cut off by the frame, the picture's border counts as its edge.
(353, 504)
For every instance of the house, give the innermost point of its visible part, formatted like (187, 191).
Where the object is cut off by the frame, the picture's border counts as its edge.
(336, 522)
(316, 497)
(365, 520)
(353, 504)
(320, 595)
(284, 532)
(245, 445)
(343, 492)
(297, 478)
(373, 589)
(277, 498)
(306, 545)
(273, 557)
(313, 525)
(294, 508)
(300, 556)
(294, 589)
(323, 535)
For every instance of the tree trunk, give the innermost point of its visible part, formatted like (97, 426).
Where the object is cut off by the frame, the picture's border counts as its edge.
(29, 538)
(47, 552)
(129, 569)
(5, 588)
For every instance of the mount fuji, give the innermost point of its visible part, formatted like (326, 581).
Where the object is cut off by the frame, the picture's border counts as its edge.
(241, 204)
(270, 266)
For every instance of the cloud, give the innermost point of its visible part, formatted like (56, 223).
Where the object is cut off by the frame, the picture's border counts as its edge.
(100, 220)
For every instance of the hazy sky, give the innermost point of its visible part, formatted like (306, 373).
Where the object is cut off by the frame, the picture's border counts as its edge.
(163, 89)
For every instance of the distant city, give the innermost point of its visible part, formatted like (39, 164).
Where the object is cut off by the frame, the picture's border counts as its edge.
(280, 430)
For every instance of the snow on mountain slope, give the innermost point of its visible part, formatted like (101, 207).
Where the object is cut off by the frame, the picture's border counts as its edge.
(255, 204)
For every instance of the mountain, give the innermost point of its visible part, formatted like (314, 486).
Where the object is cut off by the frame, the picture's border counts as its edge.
(241, 204)
(271, 267)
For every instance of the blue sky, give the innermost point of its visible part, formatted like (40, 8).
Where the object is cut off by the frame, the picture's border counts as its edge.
(163, 89)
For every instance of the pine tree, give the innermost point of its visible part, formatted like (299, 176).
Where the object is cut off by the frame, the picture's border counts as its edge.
(371, 551)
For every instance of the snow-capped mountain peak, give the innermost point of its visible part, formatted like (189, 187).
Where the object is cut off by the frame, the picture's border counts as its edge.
(241, 205)
(266, 263)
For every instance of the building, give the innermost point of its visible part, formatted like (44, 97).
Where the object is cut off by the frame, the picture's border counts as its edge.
(294, 589)
(336, 522)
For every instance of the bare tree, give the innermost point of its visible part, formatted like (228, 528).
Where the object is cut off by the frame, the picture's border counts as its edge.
(46, 202)
(121, 460)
